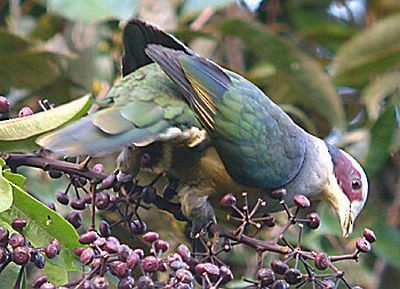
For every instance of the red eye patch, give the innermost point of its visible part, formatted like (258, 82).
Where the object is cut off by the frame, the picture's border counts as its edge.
(348, 177)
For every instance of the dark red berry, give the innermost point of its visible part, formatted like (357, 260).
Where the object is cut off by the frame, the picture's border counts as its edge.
(75, 219)
(52, 206)
(265, 276)
(18, 224)
(150, 237)
(279, 267)
(25, 111)
(162, 266)
(4, 105)
(139, 252)
(102, 200)
(161, 245)
(119, 269)
(280, 284)
(48, 285)
(62, 198)
(99, 167)
(21, 255)
(225, 273)
(301, 201)
(108, 182)
(100, 283)
(228, 200)
(16, 240)
(86, 256)
(101, 243)
(123, 252)
(178, 264)
(150, 264)
(278, 194)
(293, 276)
(88, 237)
(39, 281)
(184, 252)
(145, 282)
(183, 275)
(148, 194)
(51, 251)
(132, 260)
(112, 245)
(55, 174)
(322, 261)
(104, 228)
(363, 245)
(313, 220)
(173, 258)
(38, 259)
(126, 283)
(3, 255)
(78, 250)
(137, 227)
(327, 284)
(369, 235)
(4, 234)
(56, 243)
(211, 269)
(78, 204)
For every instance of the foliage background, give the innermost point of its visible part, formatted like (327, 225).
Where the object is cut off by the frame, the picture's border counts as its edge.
(333, 65)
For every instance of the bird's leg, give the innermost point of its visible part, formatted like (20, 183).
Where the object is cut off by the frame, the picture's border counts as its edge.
(195, 207)
(127, 164)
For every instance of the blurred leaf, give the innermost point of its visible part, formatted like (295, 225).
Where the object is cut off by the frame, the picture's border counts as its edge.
(23, 65)
(44, 224)
(369, 53)
(326, 30)
(303, 76)
(18, 129)
(6, 195)
(196, 6)
(375, 92)
(93, 10)
(9, 276)
(382, 136)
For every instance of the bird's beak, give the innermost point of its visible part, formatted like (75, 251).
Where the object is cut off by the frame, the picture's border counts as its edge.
(342, 206)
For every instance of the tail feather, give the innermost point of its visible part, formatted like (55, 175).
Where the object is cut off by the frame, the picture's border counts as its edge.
(84, 138)
(137, 35)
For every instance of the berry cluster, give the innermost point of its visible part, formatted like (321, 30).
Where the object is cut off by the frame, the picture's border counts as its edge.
(14, 247)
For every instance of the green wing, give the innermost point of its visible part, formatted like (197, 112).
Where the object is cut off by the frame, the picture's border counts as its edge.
(258, 143)
(138, 111)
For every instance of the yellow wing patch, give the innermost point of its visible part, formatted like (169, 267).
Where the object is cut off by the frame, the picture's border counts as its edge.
(204, 104)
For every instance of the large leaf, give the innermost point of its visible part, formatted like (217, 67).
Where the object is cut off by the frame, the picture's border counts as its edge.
(375, 93)
(24, 65)
(300, 77)
(44, 224)
(6, 196)
(382, 136)
(93, 10)
(369, 53)
(19, 133)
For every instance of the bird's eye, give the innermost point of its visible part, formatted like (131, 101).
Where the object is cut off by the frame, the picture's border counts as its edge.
(356, 184)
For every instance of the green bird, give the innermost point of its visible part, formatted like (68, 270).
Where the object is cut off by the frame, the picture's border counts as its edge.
(212, 130)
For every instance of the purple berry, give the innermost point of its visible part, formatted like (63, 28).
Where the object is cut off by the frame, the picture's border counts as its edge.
(25, 111)
(18, 223)
(228, 200)
(322, 261)
(301, 201)
(21, 255)
(369, 235)
(150, 264)
(4, 105)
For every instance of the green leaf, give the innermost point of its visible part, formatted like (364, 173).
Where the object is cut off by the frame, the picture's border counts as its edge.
(24, 65)
(6, 195)
(20, 133)
(375, 93)
(299, 76)
(382, 136)
(371, 52)
(43, 225)
(196, 6)
(93, 10)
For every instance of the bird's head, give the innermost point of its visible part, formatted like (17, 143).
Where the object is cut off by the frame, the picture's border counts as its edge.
(347, 188)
